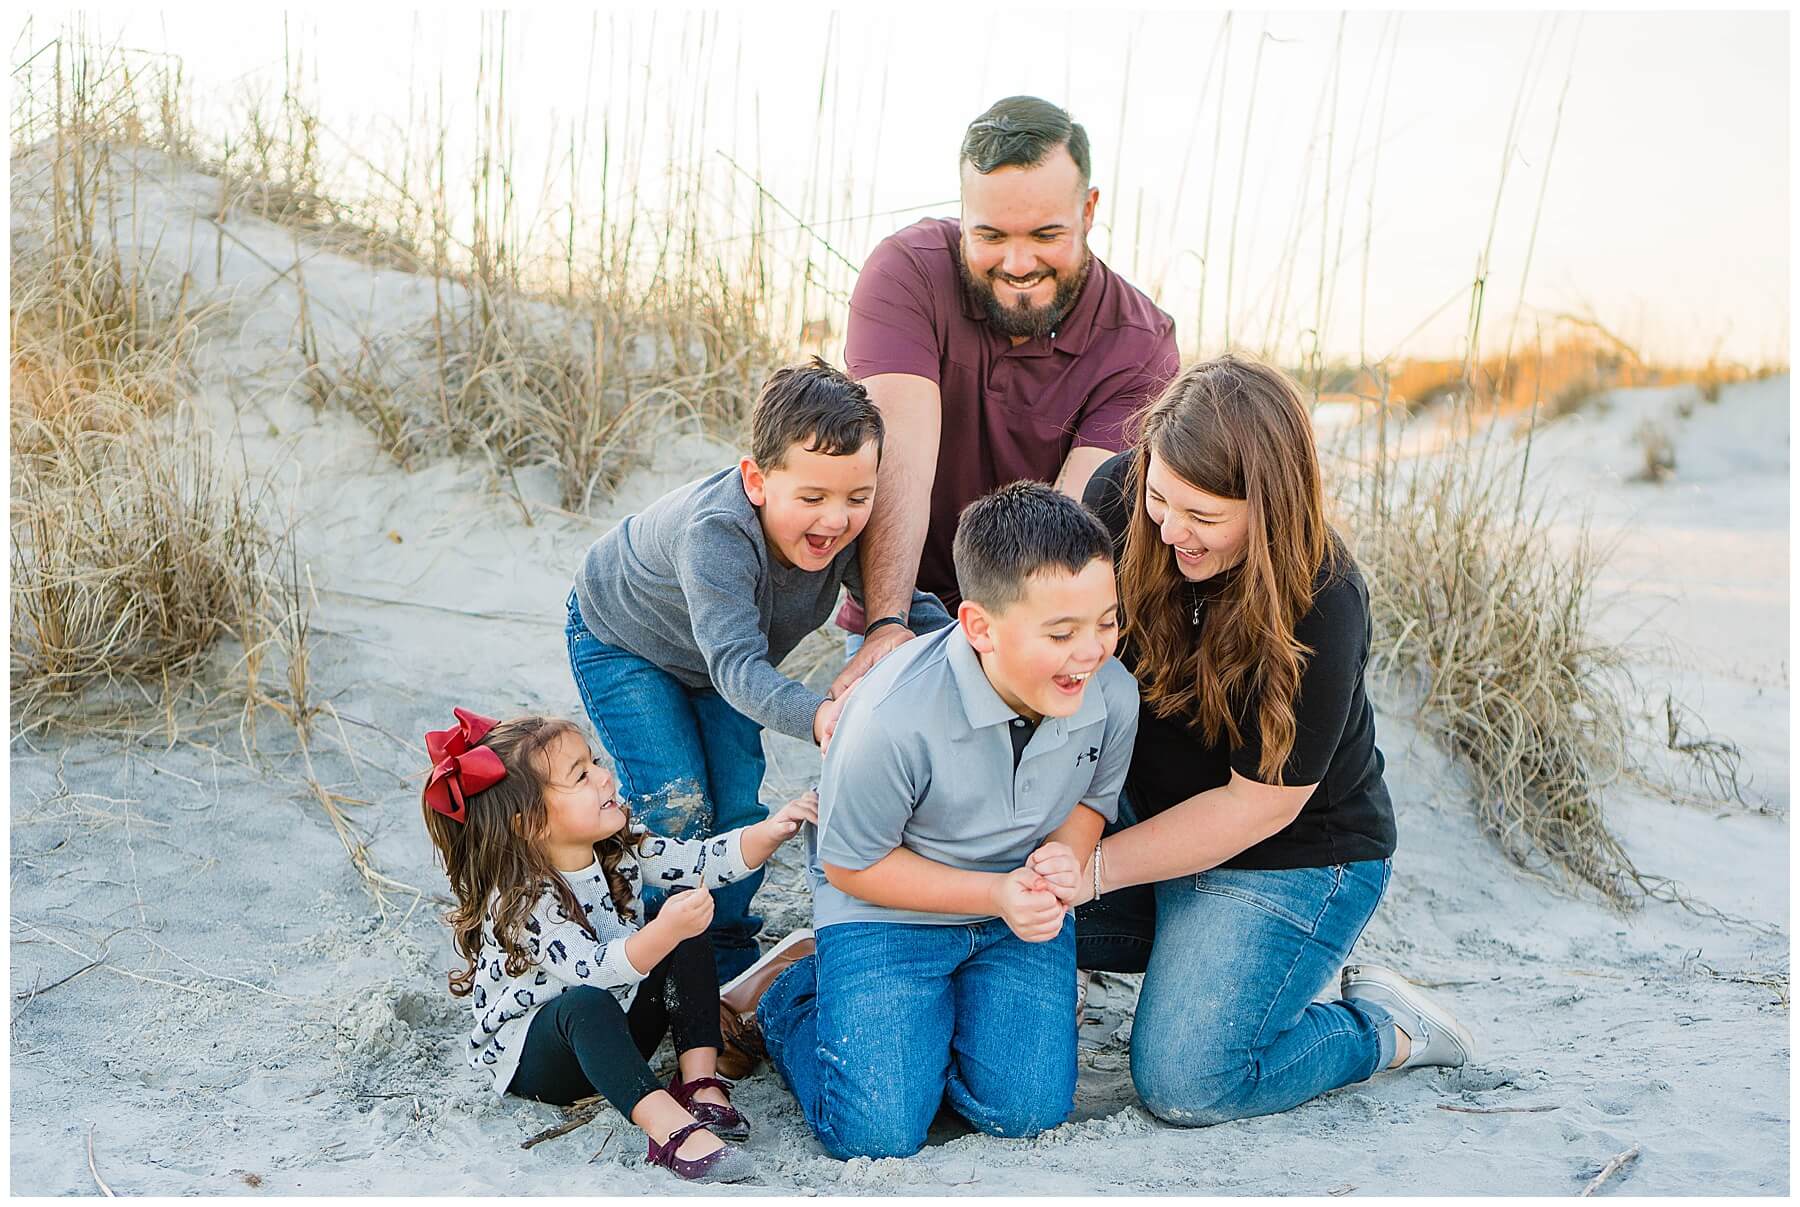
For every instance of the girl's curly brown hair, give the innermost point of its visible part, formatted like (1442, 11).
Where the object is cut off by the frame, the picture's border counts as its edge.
(495, 858)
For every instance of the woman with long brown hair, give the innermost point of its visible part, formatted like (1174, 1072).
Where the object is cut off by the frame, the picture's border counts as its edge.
(1263, 829)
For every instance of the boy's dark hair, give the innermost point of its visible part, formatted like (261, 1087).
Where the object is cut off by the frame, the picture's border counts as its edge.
(1019, 131)
(816, 407)
(1005, 537)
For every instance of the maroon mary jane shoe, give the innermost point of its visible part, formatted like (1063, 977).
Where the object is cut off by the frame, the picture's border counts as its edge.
(727, 1164)
(726, 1122)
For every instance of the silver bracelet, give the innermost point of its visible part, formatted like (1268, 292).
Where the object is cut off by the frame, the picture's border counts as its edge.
(1097, 870)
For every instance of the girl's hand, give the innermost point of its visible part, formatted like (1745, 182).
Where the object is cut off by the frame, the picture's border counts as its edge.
(1023, 898)
(1056, 863)
(784, 823)
(687, 914)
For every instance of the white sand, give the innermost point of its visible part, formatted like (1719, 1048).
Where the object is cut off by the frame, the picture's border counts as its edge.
(208, 1050)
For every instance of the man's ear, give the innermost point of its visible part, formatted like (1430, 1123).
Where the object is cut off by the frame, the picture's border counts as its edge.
(977, 626)
(756, 483)
(1087, 210)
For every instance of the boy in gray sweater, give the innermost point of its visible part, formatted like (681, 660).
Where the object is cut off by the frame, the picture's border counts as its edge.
(681, 614)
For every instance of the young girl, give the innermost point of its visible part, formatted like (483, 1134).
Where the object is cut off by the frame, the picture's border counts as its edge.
(571, 991)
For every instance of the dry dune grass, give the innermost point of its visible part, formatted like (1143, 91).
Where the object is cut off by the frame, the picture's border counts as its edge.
(1483, 622)
(134, 552)
(550, 345)
(568, 337)
(1476, 612)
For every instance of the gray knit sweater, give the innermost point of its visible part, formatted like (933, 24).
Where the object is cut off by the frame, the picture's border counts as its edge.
(689, 585)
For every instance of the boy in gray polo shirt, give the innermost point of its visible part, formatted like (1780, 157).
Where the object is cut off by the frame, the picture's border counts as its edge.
(945, 966)
(680, 614)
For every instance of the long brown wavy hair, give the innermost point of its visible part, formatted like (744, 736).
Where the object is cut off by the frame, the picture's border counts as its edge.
(1237, 428)
(494, 861)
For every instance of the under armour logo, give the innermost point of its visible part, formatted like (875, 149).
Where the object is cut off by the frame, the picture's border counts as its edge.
(1092, 756)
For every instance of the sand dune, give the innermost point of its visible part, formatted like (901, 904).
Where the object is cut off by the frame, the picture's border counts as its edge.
(256, 1021)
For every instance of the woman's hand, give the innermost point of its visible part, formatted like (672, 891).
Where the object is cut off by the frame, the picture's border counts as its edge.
(1068, 879)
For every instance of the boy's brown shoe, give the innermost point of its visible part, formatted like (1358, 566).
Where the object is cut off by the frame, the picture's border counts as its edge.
(739, 997)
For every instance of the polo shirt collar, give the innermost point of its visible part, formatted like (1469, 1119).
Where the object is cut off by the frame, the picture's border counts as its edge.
(982, 705)
(1077, 326)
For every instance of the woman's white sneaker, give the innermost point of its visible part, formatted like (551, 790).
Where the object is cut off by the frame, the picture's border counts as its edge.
(1437, 1038)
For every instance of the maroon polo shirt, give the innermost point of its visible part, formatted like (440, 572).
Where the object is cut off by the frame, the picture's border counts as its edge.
(1008, 412)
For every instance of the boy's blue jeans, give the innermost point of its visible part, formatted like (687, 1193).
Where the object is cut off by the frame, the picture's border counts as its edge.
(690, 763)
(888, 1020)
(1226, 1025)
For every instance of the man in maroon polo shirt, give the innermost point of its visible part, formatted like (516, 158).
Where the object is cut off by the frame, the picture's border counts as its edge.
(997, 348)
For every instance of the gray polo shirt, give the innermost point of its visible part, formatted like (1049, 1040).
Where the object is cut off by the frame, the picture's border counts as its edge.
(921, 758)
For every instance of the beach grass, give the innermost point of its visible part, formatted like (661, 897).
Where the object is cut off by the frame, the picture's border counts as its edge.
(138, 558)
(580, 335)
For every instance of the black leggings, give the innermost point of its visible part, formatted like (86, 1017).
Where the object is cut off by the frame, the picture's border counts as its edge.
(583, 1042)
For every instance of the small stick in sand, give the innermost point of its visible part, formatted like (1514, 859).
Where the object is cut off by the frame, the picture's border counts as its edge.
(27, 995)
(974, 1177)
(98, 1180)
(602, 1148)
(578, 1118)
(1609, 1169)
(1499, 1110)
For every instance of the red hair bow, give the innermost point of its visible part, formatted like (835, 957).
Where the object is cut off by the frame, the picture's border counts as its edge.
(460, 768)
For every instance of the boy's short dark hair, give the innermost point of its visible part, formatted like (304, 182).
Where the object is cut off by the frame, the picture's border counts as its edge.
(814, 406)
(1005, 537)
(1020, 131)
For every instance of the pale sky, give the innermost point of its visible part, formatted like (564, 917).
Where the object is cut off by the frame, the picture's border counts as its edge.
(1665, 216)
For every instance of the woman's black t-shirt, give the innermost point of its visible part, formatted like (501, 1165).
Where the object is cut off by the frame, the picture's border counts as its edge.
(1349, 817)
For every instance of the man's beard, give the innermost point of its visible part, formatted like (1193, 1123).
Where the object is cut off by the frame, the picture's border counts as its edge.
(1025, 321)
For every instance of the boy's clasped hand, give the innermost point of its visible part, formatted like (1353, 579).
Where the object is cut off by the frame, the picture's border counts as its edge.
(1033, 898)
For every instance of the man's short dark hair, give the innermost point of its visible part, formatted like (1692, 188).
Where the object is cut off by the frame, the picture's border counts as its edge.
(1020, 131)
(816, 407)
(1005, 537)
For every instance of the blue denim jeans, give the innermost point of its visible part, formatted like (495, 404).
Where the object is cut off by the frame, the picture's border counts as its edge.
(888, 1020)
(672, 744)
(1226, 1025)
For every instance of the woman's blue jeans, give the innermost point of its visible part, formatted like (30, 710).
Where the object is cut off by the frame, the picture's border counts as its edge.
(1226, 1026)
(690, 764)
(888, 1020)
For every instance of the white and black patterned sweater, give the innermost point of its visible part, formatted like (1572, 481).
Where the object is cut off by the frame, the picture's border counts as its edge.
(566, 957)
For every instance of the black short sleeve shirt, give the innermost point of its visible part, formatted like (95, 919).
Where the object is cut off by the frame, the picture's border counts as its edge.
(1349, 817)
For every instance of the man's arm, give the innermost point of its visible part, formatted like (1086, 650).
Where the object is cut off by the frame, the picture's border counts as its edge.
(1078, 467)
(912, 410)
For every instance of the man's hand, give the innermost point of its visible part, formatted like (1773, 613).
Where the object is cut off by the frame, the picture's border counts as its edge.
(1057, 864)
(1023, 898)
(686, 914)
(886, 640)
